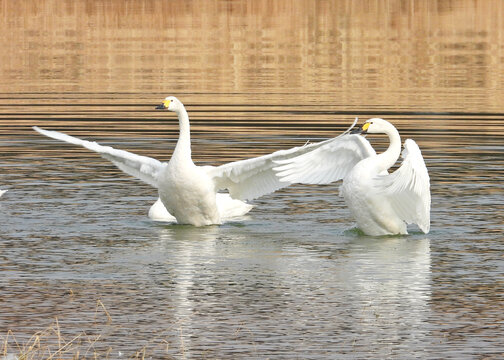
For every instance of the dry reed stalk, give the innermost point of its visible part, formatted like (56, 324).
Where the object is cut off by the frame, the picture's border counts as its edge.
(99, 303)
(41, 345)
(91, 344)
(182, 346)
(61, 349)
(9, 332)
(34, 348)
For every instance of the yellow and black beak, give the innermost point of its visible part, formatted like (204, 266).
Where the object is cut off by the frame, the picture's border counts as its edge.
(164, 105)
(361, 129)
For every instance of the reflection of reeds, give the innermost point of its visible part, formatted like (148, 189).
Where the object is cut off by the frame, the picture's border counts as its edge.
(409, 54)
(50, 343)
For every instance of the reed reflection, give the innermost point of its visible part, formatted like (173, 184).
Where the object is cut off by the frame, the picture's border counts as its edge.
(404, 50)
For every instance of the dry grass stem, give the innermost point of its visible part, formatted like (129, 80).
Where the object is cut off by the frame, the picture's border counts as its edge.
(52, 343)
(100, 304)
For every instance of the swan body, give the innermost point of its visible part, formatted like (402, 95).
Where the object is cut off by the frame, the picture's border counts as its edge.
(188, 192)
(228, 207)
(381, 203)
(2, 192)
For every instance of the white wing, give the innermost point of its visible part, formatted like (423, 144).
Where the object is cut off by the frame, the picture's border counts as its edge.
(408, 188)
(2, 192)
(251, 178)
(330, 162)
(142, 167)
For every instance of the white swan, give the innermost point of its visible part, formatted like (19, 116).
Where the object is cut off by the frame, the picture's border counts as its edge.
(2, 192)
(188, 192)
(381, 203)
(228, 207)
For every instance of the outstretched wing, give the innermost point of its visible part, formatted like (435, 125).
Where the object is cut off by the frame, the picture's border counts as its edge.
(330, 162)
(408, 188)
(142, 167)
(252, 178)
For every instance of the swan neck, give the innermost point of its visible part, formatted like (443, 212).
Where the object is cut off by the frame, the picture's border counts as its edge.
(183, 147)
(390, 156)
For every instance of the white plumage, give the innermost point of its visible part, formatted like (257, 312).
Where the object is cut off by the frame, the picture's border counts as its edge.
(188, 193)
(228, 207)
(381, 203)
(2, 192)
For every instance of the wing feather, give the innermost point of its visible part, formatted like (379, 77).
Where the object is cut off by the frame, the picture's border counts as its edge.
(142, 167)
(252, 178)
(408, 188)
(329, 162)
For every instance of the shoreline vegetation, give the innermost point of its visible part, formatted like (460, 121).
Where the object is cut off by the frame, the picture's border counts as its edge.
(54, 343)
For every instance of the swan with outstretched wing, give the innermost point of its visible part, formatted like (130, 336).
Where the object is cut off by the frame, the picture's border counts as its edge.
(187, 192)
(382, 203)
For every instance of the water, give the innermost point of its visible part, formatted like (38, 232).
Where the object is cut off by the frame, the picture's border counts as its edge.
(294, 279)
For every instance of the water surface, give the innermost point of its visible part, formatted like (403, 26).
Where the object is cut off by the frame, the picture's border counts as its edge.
(294, 279)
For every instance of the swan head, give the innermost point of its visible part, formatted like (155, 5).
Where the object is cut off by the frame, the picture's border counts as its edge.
(373, 126)
(170, 103)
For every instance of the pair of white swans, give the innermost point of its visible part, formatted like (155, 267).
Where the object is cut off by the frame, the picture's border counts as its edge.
(381, 203)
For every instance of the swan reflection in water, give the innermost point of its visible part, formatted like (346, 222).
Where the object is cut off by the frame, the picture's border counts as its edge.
(391, 287)
(360, 290)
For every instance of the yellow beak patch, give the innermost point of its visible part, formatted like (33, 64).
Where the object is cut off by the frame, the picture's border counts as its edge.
(166, 103)
(365, 126)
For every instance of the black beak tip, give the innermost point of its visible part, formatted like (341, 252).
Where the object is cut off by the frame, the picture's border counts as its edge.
(160, 107)
(357, 130)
